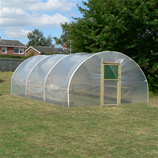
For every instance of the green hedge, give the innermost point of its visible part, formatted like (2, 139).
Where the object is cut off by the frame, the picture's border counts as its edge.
(12, 56)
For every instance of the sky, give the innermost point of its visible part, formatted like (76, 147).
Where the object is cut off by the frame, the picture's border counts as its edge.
(19, 17)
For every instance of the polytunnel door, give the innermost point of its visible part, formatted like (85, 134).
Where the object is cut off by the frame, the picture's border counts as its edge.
(111, 84)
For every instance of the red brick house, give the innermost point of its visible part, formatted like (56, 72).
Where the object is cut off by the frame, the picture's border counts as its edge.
(12, 47)
(41, 50)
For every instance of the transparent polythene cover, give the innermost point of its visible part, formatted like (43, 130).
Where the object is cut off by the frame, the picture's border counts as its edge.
(76, 79)
(86, 82)
(58, 78)
(21, 73)
(38, 76)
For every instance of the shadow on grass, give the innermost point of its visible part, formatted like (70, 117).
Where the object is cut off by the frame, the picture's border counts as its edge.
(1, 81)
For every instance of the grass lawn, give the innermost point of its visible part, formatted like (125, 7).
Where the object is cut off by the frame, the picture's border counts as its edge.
(33, 129)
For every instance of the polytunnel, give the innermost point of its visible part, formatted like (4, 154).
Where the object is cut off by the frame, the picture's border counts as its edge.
(81, 79)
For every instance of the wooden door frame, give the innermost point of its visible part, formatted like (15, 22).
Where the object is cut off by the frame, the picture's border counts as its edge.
(118, 85)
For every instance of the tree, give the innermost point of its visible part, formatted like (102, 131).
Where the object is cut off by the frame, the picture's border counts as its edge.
(64, 38)
(48, 41)
(127, 26)
(36, 38)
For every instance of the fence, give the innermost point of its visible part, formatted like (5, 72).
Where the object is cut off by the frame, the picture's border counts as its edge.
(9, 64)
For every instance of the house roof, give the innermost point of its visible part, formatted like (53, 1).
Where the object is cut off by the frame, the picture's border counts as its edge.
(43, 49)
(11, 43)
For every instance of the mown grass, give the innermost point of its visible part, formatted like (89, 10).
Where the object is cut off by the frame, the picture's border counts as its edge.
(31, 128)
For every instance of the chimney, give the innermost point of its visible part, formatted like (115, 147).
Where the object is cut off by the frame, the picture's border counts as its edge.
(64, 45)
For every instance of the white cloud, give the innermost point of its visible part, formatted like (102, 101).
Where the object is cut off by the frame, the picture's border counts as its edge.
(35, 20)
(58, 5)
(16, 33)
(23, 4)
(39, 5)
(17, 15)
(12, 15)
(54, 20)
